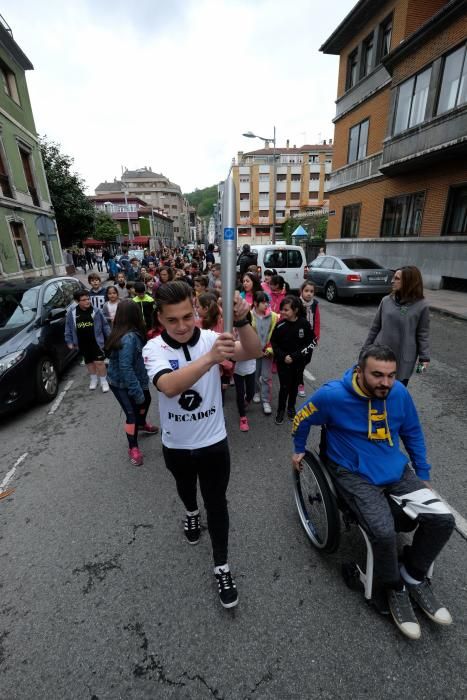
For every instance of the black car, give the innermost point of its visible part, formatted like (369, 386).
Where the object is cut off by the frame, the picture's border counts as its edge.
(33, 351)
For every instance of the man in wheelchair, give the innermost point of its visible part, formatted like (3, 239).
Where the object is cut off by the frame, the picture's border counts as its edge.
(365, 413)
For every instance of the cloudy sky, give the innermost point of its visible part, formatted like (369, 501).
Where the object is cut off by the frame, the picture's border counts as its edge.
(173, 84)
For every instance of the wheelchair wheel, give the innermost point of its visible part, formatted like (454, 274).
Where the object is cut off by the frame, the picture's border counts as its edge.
(316, 505)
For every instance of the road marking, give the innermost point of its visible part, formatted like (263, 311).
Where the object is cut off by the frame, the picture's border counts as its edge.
(461, 523)
(60, 398)
(9, 475)
(309, 376)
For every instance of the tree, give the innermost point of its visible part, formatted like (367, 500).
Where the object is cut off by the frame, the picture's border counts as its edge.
(106, 228)
(203, 200)
(74, 213)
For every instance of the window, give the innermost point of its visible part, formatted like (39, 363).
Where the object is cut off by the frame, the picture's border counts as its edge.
(280, 213)
(411, 101)
(352, 69)
(295, 177)
(281, 177)
(295, 195)
(8, 80)
(244, 178)
(385, 35)
(5, 187)
(367, 56)
(402, 216)
(350, 221)
(358, 141)
(21, 244)
(26, 160)
(313, 159)
(264, 177)
(264, 195)
(244, 195)
(456, 218)
(294, 258)
(314, 176)
(280, 195)
(275, 258)
(244, 214)
(313, 195)
(453, 91)
(264, 212)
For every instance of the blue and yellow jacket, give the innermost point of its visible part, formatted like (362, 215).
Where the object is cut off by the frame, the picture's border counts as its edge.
(362, 433)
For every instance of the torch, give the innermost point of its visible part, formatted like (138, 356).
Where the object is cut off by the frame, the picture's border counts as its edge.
(229, 252)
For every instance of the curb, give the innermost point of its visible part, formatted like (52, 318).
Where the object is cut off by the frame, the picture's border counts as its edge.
(448, 312)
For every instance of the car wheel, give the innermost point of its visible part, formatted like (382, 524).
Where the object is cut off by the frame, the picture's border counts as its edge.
(46, 380)
(331, 292)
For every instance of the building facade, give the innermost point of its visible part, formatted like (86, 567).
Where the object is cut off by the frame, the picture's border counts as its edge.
(136, 218)
(29, 242)
(157, 191)
(275, 184)
(398, 188)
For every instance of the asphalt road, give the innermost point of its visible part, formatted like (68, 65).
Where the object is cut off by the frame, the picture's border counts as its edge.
(101, 598)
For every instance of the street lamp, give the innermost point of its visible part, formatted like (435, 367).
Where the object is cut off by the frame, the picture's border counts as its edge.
(251, 135)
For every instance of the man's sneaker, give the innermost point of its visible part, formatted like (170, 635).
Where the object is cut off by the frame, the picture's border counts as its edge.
(291, 413)
(267, 410)
(279, 419)
(403, 614)
(244, 427)
(149, 429)
(301, 391)
(192, 528)
(136, 456)
(93, 383)
(256, 398)
(104, 385)
(426, 600)
(227, 589)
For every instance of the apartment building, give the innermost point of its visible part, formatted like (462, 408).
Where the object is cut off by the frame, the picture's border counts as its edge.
(136, 218)
(398, 188)
(29, 242)
(275, 184)
(158, 191)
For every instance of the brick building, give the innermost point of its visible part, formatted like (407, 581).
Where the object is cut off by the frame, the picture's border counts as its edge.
(398, 187)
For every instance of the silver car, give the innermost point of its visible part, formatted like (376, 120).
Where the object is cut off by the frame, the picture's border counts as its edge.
(349, 276)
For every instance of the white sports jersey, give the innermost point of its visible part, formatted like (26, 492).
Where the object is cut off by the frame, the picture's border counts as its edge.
(194, 418)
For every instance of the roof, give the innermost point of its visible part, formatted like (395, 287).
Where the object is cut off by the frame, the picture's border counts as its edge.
(142, 172)
(115, 186)
(357, 18)
(116, 198)
(302, 149)
(6, 39)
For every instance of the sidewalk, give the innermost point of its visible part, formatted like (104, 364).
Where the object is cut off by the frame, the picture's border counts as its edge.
(445, 302)
(440, 300)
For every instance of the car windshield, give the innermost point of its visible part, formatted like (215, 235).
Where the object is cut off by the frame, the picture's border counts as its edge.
(361, 264)
(18, 307)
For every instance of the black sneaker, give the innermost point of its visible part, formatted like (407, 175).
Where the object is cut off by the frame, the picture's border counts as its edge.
(192, 528)
(403, 614)
(227, 589)
(291, 413)
(279, 419)
(426, 600)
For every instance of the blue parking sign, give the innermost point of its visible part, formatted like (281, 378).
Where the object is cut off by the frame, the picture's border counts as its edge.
(229, 234)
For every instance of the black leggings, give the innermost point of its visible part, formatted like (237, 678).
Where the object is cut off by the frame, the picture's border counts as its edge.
(245, 388)
(135, 415)
(211, 465)
(289, 379)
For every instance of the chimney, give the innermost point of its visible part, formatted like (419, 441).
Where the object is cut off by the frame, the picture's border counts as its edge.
(287, 143)
(324, 142)
(295, 145)
(330, 142)
(239, 157)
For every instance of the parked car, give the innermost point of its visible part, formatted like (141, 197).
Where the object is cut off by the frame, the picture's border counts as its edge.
(33, 351)
(349, 276)
(288, 260)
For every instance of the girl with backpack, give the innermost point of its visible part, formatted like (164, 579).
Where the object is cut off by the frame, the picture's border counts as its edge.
(311, 306)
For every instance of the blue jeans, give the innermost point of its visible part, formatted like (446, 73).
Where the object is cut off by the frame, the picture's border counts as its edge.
(135, 414)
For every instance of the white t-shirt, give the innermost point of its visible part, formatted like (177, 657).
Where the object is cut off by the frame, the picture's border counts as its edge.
(245, 367)
(194, 418)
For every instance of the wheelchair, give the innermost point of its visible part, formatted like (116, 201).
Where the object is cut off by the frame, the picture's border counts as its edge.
(322, 512)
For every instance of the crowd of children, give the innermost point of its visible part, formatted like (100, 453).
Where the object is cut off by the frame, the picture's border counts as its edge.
(288, 326)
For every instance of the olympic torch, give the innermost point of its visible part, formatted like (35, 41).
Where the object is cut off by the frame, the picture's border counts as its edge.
(229, 252)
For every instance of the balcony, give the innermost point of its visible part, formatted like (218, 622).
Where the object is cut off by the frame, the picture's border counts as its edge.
(354, 173)
(366, 87)
(441, 137)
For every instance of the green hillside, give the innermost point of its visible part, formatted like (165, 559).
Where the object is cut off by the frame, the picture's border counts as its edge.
(203, 200)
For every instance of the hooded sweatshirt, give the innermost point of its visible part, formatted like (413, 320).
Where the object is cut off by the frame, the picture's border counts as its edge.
(264, 326)
(362, 433)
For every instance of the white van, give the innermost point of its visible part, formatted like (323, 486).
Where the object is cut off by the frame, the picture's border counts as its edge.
(287, 260)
